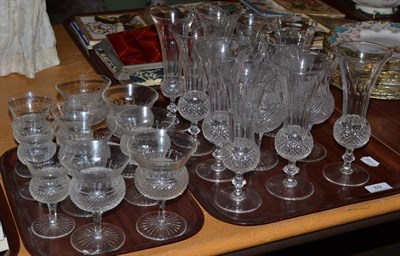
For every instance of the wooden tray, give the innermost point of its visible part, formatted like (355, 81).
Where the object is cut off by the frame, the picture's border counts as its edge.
(9, 228)
(123, 216)
(326, 195)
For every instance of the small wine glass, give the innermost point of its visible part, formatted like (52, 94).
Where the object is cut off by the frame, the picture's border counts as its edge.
(97, 190)
(131, 121)
(162, 176)
(172, 84)
(33, 133)
(360, 64)
(28, 103)
(50, 185)
(84, 92)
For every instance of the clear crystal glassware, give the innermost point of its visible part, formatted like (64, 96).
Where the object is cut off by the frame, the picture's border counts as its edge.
(33, 133)
(219, 18)
(216, 129)
(360, 65)
(194, 103)
(294, 31)
(84, 92)
(97, 190)
(132, 121)
(300, 74)
(28, 103)
(241, 154)
(322, 107)
(270, 116)
(172, 84)
(76, 155)
(162, 175)
(50, 185)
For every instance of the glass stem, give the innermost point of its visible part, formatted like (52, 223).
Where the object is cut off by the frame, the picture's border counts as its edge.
(260, 137)
(348, 158)
(238, 182)
(194, 130)
(291, 170)
(52, 214)
(172, 107)
(97, 223)
(218, 165)
(161, 211)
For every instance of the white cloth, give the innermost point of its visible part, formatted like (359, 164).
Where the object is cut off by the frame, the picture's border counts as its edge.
(27, 41)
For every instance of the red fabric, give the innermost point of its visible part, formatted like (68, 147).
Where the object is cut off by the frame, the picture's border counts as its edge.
(137, 46)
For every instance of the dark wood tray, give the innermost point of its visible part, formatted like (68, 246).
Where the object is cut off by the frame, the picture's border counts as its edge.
(326, 195)
(124, 216)
(9, 228)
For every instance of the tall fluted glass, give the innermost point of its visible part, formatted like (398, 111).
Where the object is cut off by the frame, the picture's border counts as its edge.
(360, 65)
(300, 75)
(172, 84)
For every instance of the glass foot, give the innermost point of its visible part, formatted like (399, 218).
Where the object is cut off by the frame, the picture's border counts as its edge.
(206, 171)
(22, 170)
(317, 154)
(129, 171)
(25, 193)
(150, 226)
(302, 190)
(134, 197)
(71, 209)
(87, 241)
(249, 201)
(204, 147)
(332, 173)
(268, 160)
(42, 227)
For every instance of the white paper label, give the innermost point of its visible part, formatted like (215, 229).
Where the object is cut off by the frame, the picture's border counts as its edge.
(369, 161)
(378, 187)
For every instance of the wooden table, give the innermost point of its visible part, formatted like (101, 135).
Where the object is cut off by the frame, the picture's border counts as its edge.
(217, 237)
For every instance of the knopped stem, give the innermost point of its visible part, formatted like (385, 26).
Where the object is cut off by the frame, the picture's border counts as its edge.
(348, 158)
(291, 170)
(238, 182)
(218, 165)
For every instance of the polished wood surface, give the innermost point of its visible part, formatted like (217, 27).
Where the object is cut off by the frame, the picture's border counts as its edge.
(216, 237)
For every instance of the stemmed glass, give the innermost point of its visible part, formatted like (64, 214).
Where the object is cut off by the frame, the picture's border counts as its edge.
(194, 104)
(241, 154)
(123, 97)
(50, 185)
(28, 103)
(172, 84)
(84, 92)
(216, 129)
(33, 133)
(300, 73)
(360, 65)
(132, 121)
(162, 176)
(98, 189)
(321, 109)
(270, 116)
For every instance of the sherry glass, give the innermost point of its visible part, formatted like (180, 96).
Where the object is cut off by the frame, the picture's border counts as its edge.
(172, 84)
(360, 65)
(123, 97)
(241, 154)
(85, 92)
(50, 185)
(97, 190)
(28, 103)
(132, 121)
(300, 75)
(33, 133)
(162, 175)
